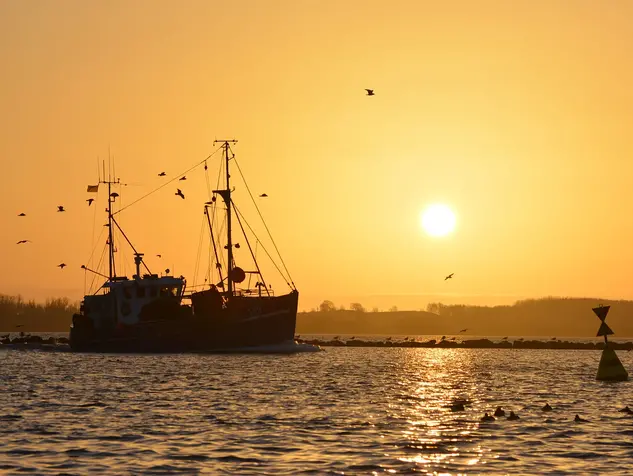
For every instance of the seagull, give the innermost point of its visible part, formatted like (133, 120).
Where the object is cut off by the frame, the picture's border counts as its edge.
(162, 174)
(22, 214)
(19, 325)
(23, 241)
(60, 208)
(183, 178)
(62, 265)
(463, 330)
(90, 200)
(449, 276)
(159, 256)
(180, 194)
(263, 195)
(370, 92)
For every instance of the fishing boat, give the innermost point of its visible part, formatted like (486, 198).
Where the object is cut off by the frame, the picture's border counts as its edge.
(153, 313)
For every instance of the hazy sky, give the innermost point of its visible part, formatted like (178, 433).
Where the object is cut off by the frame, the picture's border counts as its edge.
(516, 114)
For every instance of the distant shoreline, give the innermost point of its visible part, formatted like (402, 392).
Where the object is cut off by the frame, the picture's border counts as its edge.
(35, 341)
(471, 344)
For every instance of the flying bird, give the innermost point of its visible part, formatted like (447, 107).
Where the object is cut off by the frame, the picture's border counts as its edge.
(159, 256)
(62, 265)
(449, 276)
(162, 174)
(22, 214)
(60, 208)
(19, 325)
(370, 92)
(263, 195)
(23, 241)
(90, 200)
(463, 330)
(183, 178)
(180, 194)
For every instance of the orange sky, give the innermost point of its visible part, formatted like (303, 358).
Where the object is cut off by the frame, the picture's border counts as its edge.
(515, 114)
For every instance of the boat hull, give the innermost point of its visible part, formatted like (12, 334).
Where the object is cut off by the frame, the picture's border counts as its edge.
(250, 322)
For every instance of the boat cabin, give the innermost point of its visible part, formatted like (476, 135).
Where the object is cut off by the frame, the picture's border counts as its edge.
(130, 301)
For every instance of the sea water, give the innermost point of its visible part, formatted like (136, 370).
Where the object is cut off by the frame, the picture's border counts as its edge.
(339, 411)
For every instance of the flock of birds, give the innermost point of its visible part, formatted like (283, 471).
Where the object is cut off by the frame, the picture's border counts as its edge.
(62, 209)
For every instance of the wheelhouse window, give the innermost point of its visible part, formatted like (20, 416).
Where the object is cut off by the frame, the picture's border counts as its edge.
(169, 291)
(153, 291)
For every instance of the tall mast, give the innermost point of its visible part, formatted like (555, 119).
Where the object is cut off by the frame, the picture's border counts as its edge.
(226, 195)
(110, 182)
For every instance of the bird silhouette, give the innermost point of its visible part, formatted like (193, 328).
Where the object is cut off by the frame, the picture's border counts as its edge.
(263, 195)
(23, 241)
(159, 256)
(90, 200)
(183, 178)
(60, 208)
(19, 325)
(449, 276)
(370, 92)
(62, 265)
(162, 174)
(463, 330)
(22, 214)
(180, 194)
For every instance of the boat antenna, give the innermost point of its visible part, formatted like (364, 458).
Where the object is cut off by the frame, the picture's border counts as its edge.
(109, 182)
(226, 195)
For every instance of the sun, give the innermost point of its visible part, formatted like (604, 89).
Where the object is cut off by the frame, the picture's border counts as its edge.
(438, 220)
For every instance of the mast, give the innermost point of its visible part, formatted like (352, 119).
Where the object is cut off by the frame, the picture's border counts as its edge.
(226, 195)
(111, 265)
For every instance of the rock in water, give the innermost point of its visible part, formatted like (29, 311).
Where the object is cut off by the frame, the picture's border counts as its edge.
(610, 367)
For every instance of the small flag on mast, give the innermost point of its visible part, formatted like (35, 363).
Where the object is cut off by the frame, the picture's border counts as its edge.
(93, 188)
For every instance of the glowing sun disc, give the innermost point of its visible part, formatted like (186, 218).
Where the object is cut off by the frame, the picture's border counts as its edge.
(438, 220)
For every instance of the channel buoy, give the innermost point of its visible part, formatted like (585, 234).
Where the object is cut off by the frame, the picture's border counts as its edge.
(610, 367)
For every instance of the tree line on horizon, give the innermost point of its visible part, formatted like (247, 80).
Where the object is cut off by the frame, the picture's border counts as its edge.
(17, 314)
(549, 316)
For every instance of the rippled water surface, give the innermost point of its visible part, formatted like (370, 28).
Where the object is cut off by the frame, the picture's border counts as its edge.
(344, 410)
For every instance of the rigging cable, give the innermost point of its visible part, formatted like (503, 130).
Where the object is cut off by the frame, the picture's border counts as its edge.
(265, 250)
(265, 226)
(248, 243)
(177, 177)
(94, 225)
(197, 266)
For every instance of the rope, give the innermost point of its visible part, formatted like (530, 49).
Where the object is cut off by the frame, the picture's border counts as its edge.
(265, 250)
(177, 177)
(265, 226)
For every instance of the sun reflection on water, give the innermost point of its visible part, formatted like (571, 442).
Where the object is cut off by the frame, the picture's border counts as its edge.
(434, 435)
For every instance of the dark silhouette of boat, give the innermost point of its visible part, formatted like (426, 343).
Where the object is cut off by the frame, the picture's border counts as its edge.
(151, 313)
